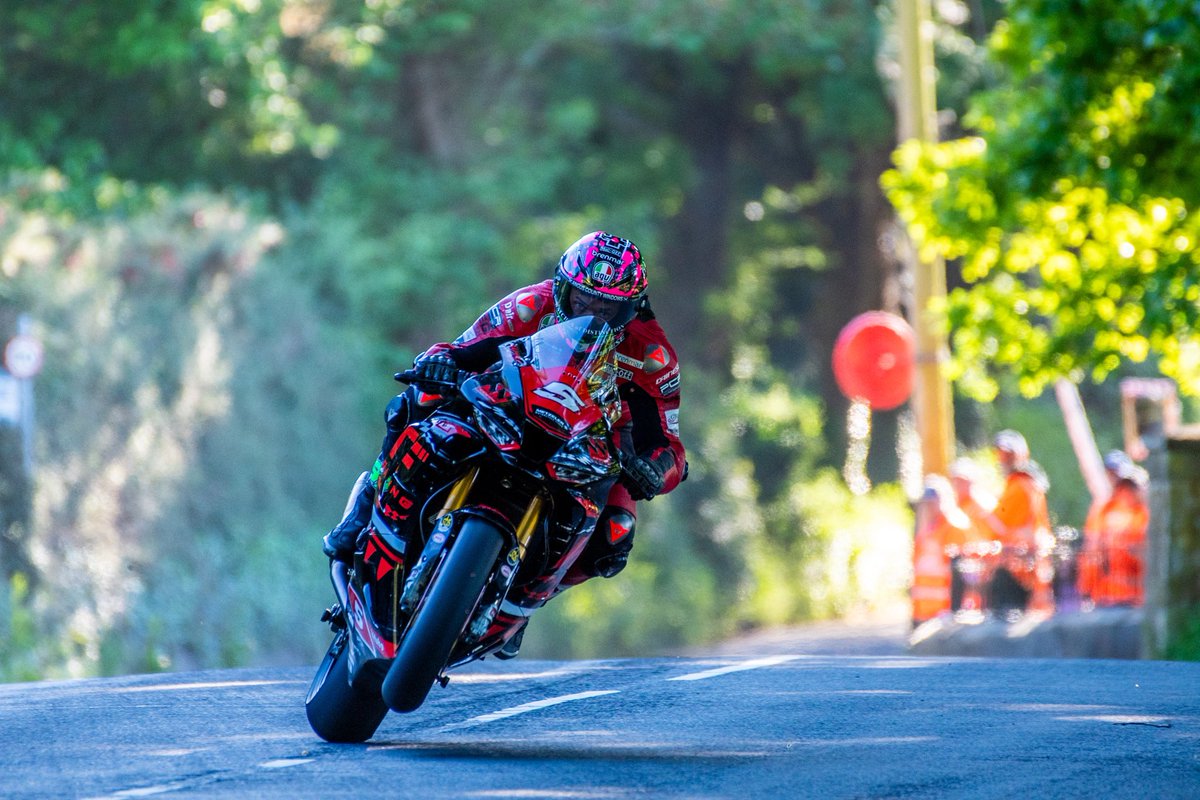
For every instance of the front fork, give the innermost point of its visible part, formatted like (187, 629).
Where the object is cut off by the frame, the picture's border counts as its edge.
(502, 581)
(422, 571)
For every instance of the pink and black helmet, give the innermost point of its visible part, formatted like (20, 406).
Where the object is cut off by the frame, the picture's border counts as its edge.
(605, 266)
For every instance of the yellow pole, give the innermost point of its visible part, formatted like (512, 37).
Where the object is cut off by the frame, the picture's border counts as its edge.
(932, 403)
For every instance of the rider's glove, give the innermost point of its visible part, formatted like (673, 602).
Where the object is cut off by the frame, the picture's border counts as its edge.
(644, 477)
(435, 373)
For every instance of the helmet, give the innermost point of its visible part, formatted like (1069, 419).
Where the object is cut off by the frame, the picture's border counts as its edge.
(604, 267)
(1009, 441)
(1116, 460)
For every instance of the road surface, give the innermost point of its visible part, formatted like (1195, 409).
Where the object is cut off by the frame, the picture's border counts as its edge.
(776, 724)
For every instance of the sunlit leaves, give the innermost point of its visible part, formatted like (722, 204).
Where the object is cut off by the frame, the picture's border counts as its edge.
(1075, 224)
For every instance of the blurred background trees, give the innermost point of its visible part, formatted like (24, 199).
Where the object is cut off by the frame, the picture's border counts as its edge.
(232, 220)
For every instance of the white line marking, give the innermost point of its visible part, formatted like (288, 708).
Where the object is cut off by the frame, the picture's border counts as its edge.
(174, 687)
(742, 667)
(145, 791)
(279, 763)
(527, 707)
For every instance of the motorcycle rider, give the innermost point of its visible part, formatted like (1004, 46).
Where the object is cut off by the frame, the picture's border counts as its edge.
(602, 275)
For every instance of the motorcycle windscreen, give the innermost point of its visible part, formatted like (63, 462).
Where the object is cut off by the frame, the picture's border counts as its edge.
(568, 376)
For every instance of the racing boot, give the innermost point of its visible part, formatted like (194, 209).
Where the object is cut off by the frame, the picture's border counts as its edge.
(341, 542)
(513, 645)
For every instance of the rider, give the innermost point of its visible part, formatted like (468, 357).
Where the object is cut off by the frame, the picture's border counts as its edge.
(602, 275)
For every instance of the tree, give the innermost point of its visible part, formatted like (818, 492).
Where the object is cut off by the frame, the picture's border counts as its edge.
(1072, 208)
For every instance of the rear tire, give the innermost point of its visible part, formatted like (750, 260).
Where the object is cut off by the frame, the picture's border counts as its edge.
(337, 711)
(445, 610)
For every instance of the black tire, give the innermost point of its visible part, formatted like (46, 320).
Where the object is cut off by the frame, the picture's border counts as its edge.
(445, 610)
(337, 711)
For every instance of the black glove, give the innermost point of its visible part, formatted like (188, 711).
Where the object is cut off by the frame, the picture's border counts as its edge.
(435, 373)
(644, 476)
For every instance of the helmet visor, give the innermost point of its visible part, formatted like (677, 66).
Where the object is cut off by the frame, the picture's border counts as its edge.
(616, 311)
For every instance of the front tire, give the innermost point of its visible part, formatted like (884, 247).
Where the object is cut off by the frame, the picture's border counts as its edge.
(337, 711)
(445, 610)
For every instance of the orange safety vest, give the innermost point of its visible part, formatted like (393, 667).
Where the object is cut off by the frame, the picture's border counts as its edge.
(930, 592)
(1111, 563)
(1024, 523)
(978, 532)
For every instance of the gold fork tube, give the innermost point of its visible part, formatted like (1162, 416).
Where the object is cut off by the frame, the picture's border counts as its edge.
(529, 522)
(458, 494)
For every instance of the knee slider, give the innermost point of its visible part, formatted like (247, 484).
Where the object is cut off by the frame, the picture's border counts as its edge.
(615, 532)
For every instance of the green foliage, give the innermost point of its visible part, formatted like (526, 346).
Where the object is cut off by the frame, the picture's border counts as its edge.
(198, 412)
(1184, 644)
(1073, 211)
(217, 360)
(24, 651)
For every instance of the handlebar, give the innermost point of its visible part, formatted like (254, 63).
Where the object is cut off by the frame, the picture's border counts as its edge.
(409, 376)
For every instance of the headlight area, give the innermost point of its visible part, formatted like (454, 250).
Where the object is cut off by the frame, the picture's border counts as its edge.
(497, 427)
(577, 462)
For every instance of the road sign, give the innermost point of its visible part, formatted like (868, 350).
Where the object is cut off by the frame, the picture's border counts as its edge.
(23, 356)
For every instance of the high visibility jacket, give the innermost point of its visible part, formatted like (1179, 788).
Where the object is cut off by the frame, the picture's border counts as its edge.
(930, 591)
(977, 532)
(1112, 561)
(1021, 521)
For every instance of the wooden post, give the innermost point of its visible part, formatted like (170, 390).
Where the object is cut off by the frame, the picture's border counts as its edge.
(932, 400)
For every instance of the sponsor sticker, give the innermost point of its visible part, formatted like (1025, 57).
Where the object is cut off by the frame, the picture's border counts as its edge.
(672, 416)
(670, 387)
(629, 360)
(604, 272)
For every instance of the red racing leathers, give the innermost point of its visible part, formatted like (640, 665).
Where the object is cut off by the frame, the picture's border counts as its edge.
(648, 383)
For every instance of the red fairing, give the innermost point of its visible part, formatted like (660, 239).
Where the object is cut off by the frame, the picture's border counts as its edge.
(645, 358)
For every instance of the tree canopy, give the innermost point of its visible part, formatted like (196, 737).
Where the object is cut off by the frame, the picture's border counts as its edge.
(1071, 208)
(234, 219)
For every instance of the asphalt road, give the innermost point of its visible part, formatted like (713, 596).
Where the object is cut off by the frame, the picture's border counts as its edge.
(777, 725)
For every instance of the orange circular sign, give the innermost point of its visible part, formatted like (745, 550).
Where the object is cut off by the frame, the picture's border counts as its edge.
(874, 359)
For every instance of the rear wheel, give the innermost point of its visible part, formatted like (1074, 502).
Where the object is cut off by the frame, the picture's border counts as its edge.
(337, 711)
(445, 610)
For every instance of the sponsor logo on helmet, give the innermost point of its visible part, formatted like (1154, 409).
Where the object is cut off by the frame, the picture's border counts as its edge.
(604, 272)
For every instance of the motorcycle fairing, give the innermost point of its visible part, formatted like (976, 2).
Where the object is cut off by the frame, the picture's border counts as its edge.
(565, 375)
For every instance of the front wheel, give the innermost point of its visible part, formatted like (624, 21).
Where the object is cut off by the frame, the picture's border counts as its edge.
(445, 610)
(337, 711)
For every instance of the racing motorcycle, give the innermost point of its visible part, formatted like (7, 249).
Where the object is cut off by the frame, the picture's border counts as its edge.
(480, 509)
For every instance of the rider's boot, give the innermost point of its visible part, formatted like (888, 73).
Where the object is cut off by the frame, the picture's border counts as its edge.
(341, 542)
(513, 645)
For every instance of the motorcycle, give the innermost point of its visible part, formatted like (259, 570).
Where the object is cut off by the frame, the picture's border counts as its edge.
(479, 512)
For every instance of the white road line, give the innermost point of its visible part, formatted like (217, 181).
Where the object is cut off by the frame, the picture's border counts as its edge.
(526, 708)
(742, 667)
(175, 687)
(279, 763)
(145, 791)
